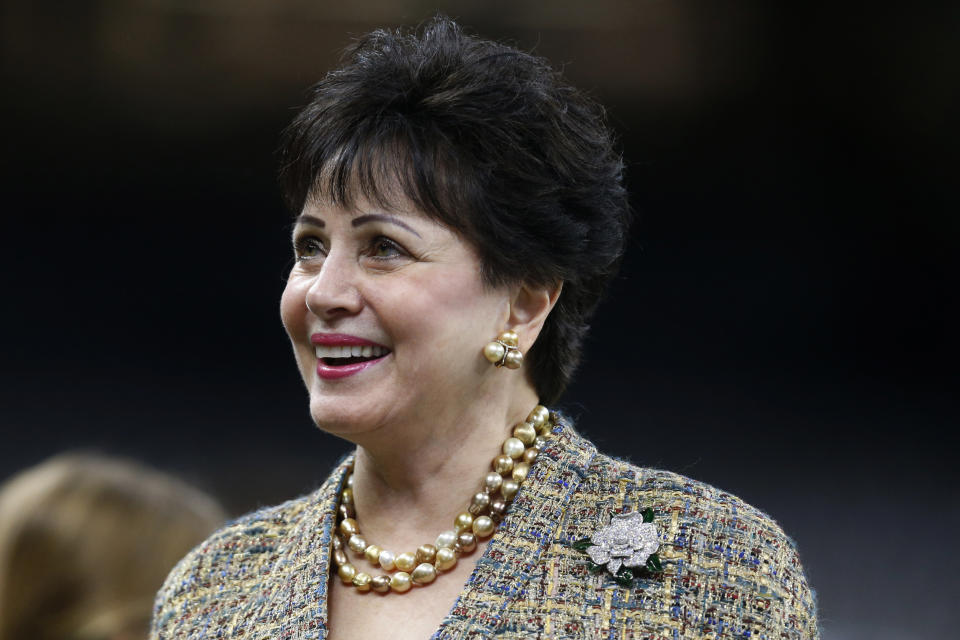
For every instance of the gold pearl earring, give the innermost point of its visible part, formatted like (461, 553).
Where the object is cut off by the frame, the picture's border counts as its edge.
(504, 351)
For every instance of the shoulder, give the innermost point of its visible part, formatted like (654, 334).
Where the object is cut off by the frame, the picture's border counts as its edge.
(724, 561)
(684, 500)
(216, 575)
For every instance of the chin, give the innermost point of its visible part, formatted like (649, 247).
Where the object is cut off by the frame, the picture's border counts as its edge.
(344, 417)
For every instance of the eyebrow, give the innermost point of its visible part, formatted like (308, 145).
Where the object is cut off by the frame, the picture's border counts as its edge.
(379, 217)
(305, 219)
(359, 220)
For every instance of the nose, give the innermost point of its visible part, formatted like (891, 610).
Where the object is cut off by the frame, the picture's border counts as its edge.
(333, 292)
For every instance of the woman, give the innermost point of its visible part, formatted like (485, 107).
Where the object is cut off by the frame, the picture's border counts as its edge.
(459, 211)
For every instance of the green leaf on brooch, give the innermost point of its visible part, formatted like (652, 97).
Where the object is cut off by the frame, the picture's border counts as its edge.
(653, 563)
(648, 515)
(594, 567)
(624, 577)
(583, 544)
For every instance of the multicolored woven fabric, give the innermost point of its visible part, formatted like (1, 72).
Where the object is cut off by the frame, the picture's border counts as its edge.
(728, 569)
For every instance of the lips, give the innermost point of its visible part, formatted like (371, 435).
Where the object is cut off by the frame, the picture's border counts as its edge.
(340, 355)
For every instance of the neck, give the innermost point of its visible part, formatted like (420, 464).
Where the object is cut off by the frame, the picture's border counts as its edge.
(411, 480)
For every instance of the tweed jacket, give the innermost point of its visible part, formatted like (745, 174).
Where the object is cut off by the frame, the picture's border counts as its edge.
(728, 569)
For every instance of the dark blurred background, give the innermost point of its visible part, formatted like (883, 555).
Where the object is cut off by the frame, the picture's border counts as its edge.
(785, 326)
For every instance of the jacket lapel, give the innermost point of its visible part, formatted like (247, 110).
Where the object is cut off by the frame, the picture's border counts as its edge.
(296, 606)
(514, 566)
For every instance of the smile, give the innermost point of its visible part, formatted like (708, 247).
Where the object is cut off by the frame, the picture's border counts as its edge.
(339, 355)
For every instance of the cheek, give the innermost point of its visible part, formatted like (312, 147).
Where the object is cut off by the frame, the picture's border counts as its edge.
(293, 313)
(443, 315)
(292, 310)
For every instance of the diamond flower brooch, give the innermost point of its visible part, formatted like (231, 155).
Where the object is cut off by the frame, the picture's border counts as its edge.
(627, 547)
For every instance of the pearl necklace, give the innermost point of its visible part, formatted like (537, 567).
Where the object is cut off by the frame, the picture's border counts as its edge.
(486, 510)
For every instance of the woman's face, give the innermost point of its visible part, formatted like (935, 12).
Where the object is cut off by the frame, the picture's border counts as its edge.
(403, 296)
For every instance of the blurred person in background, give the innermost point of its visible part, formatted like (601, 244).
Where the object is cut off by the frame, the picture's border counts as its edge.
(459, 211)
(85, 542)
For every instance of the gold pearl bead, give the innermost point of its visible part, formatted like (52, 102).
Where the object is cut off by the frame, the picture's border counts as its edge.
(520, 471)
(362, 582)
(356, 543)
(446, 559)
(446, 540)
(479, 503)
(400, 581)
(348, 527)
(539, 416)
(346, 511)
(387, 560)
(509, 338)
(424, 573)
(372, 552)
(346, 573)
(350, 481)
(347, 496)
(406, 561)
(466, 542)
(540, 443)
(426, 553)
(339, 557)
(498, 508)
(337, 542)
(380, 584)
(483, 526)
(530, 455)
(513, 447)
(492, 482)
(464, 520)
(513, 359)
(525, 433)
(503, 464)
(509, 489)
(493, 351)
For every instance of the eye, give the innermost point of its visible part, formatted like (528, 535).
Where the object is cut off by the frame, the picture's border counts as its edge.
(383, 248)
(308, 247)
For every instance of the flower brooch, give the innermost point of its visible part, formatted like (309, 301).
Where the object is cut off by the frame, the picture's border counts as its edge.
(627, 547)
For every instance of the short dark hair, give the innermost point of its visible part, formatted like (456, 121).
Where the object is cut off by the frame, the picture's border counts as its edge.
(488, 140)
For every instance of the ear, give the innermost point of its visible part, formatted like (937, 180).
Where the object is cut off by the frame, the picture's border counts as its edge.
(529, 308)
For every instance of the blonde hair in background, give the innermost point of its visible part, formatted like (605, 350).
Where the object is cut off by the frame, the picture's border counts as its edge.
(85, 543)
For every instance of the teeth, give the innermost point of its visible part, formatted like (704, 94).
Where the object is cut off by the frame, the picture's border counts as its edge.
(355, 351)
